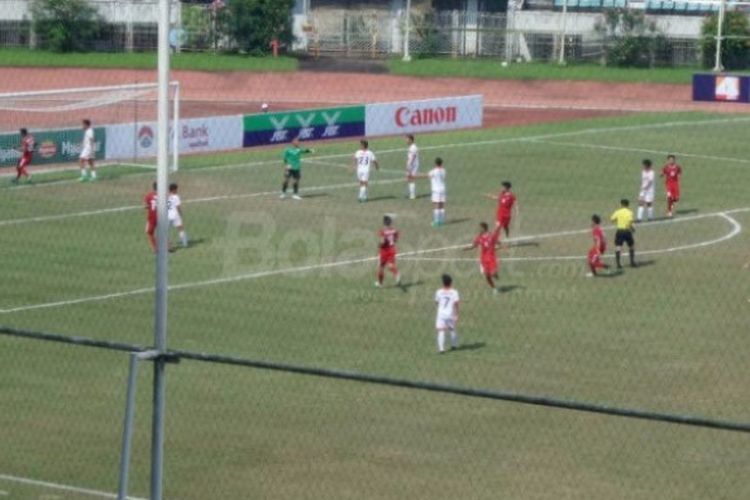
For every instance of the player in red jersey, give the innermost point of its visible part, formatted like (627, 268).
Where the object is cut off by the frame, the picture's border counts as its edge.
(27, 153)
(671, 173)
(506, 200)
(487, 241)
(388, 237)
(600, 246)
(150, 204)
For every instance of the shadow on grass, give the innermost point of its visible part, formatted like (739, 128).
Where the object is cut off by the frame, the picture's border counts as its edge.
(520, 244)
(471, 347)
(509, 288)
(315, 195)
(456, 221)
(381, 198)
(408, 285)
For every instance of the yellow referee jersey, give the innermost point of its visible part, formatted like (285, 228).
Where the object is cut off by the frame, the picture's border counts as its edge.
(623, 219)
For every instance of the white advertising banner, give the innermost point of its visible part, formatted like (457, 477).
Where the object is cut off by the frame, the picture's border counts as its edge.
(196, 135)
(429, 115)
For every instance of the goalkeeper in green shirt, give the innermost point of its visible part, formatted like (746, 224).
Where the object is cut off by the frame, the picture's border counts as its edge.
(292, 165)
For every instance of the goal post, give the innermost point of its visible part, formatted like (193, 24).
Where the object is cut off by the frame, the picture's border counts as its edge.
(123, 117)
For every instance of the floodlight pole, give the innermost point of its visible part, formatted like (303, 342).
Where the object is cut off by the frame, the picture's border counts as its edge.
(561, 59)
(719, 36)
(162, 238)
(407, 29)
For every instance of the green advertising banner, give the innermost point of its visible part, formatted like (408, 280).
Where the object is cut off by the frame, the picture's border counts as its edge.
(54, 146)
(307, 124)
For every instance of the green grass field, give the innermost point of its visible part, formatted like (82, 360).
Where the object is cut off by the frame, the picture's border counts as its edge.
(288, 281)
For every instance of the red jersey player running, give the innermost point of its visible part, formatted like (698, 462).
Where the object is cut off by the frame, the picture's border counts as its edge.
(27, 153)
(150, 204)
(600, 246)
(388, 238)
(506, 200)
(487, 241)
(671, 173)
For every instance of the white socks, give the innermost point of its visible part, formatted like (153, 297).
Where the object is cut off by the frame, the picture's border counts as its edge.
(93, 174)
(183, 238)
(412, 190)
(650, 213)
(84, 172)
(362, 193)
(441, 340)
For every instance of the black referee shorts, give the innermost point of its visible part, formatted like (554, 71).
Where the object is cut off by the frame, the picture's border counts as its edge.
(624, 236)
(294, 174)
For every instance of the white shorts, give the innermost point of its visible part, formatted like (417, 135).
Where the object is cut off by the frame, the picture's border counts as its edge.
(445, 324)
(87, 154)
(646, 196)
(175, 221)
(412, 170)
(363, 174)
(438, 196)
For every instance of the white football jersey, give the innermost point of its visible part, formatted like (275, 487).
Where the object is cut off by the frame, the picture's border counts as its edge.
(412, 158)
(647, 180)
(446, 299)
(364, 158)
(173, 203)
(88, 140)
(437, 180)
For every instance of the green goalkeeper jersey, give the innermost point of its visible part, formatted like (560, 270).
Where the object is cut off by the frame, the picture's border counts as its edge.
(293, 157)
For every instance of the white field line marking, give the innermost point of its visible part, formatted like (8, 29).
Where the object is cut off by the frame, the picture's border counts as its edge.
(452, 145)
(61, 487)
(4, 493)
(341, 165)
(641, 150)
(736, 229)
(402, 255)
(86, 213)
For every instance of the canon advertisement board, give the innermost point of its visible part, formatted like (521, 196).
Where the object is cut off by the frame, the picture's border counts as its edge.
(430, 115)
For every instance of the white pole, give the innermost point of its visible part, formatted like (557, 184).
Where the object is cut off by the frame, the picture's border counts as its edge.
(719, 36)
(176, 128)
(162, 235)
(561, 59)
(407, 28)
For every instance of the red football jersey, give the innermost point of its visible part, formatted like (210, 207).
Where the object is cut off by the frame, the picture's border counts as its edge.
(150, 201)
(27, 145)
(487, 243)
(599, 240)
(505, 203)
(672, 173)
(388, 238)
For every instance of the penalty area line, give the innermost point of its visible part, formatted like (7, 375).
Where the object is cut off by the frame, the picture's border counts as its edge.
(60, 487)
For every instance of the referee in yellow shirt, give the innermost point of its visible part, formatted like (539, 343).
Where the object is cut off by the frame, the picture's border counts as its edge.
(623, 219)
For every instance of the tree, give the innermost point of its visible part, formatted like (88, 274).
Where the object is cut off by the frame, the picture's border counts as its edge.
(735, 49)
(253, 24)
(65, 25)
(632, 41)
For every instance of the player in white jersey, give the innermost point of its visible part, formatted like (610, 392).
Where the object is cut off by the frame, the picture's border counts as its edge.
(174, 213)
(646, 195)
(88, 152)
(364, 159)
(412, 166)
(437, 184)
(447, 300)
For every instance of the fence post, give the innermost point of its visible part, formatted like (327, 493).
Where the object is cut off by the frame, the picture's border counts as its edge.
(407, 28)
(561, 59)
(719, 36)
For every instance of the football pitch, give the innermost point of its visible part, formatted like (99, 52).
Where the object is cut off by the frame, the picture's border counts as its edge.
(292, 282)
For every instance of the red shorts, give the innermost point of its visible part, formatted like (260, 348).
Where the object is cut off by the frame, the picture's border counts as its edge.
(503, 220)
(24, 162)
(387, 256)
(595, 258)
(488, 265)
(673, 191)
(150, 227)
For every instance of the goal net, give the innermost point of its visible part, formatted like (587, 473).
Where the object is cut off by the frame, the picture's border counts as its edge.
(123, 117)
